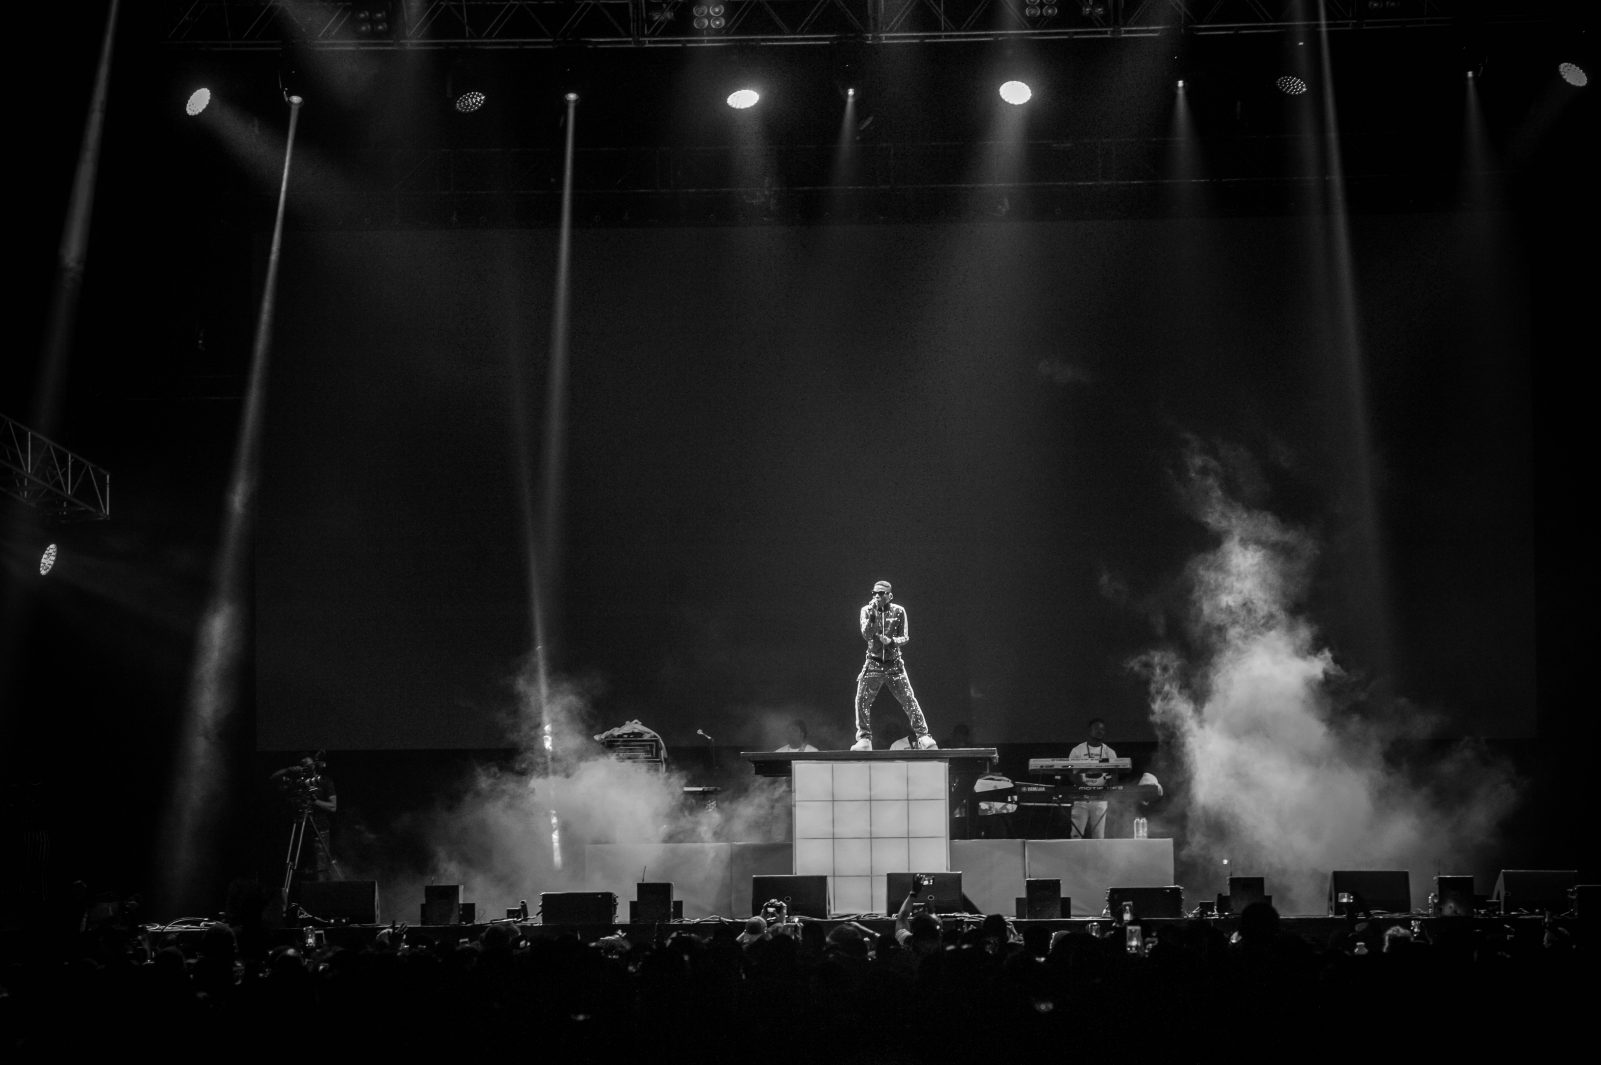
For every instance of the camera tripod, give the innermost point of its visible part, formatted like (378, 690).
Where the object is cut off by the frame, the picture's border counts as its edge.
(305, 823)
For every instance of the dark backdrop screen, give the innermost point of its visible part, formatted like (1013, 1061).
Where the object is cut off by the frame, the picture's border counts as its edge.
(762, 421)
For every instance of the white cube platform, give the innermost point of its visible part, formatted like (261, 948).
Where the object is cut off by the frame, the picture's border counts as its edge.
(855, 821)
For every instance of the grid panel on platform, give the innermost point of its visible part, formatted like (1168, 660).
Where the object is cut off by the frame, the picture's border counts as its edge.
(851, 894)
(812, 781)
(857, 821)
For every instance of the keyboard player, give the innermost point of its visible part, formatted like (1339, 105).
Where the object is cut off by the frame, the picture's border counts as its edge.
(1089, 816)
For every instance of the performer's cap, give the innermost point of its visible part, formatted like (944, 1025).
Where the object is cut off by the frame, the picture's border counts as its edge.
(882, 586)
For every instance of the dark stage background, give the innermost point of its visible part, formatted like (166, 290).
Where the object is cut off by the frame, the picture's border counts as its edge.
(764, 420)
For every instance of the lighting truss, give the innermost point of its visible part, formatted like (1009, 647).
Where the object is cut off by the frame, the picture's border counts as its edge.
(1114, 176)
(264, 24)
(46, 476)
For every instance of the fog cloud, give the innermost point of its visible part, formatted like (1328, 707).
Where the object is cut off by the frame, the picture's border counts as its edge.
(1285, 779)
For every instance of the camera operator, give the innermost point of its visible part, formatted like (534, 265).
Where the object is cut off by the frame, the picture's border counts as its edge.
(312, 794)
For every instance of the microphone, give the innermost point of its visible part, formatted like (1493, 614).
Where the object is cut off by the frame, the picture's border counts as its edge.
(703, 736)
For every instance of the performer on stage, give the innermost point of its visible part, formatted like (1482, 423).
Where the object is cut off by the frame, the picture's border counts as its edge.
(883, 625)
(1089, 817)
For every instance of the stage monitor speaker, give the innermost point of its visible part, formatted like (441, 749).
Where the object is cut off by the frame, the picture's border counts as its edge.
(944, 895)
(655, 902)
(1453, 896)
(468, 913)
(635, 918)
(1354, 891)
(441, 904)
(1043, 897)
(1535, 890)
(1147, 901)
(577, 907)
(1064, 910)
(341, 901)
(1244, 890)
(803, 896)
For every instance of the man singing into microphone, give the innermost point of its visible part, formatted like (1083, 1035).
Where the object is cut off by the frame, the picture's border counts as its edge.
(883, 626)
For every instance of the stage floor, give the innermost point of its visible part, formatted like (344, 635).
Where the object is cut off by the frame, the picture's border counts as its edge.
(1318, 929)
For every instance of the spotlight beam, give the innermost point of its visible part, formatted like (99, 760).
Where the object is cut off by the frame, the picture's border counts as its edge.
(75, 240)
(204, 757)
(548, 590)
(555, 451)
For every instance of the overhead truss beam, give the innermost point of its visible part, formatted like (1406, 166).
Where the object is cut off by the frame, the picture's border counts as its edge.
(447, 187)
(46, 476)
(262, 24)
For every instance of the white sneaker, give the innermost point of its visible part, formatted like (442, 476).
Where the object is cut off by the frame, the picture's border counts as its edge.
(926, 743)
(862, 745)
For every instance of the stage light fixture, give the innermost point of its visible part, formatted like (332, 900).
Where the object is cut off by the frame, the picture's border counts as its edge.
(470, 101)
(197, 102)
(47, 561)
(1290, 85)
(1573, 74)
(740, 99)
(708, 17)
(1016, 93)
(371, 19)
(290, 80)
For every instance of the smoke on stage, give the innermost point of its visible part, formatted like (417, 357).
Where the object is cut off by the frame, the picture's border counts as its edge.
(519, 829)
(1288, 777)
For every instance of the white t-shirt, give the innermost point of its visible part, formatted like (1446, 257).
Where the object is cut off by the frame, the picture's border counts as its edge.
(1085, 753)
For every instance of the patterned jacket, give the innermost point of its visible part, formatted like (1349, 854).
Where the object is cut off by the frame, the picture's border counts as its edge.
(891, 621)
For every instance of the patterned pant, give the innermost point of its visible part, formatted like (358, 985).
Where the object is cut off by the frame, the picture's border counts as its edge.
(873, 677)
(1089, 819)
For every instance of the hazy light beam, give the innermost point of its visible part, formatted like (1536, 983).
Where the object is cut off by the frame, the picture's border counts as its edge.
(194, 807)
(74, 243)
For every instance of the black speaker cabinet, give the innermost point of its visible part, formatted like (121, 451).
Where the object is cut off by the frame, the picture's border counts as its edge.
(1453, 896)
(1244, 890)
(1353, 891)
(944, 895)
(342, 901)
(1043, 898)
(635, 918)
(655, 902)
(1064, 909)
(441, 904)
(577, 907)
(1147, 901)
(805, 896)
(1535, 890)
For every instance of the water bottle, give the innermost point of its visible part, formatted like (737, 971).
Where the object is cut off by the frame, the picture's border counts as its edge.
(1139, 828)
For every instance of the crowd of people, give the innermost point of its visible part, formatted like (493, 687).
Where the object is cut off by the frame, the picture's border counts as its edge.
(952, 989)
